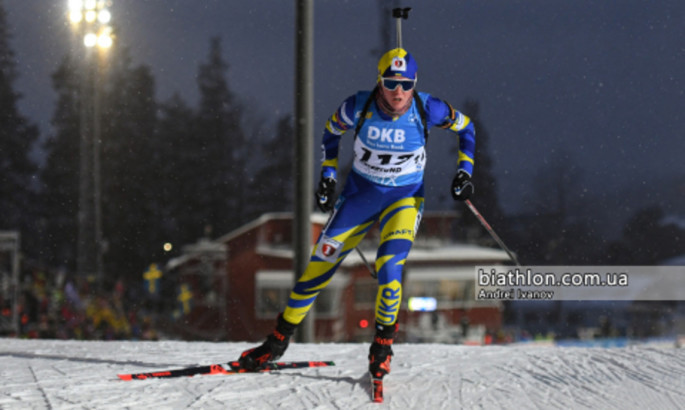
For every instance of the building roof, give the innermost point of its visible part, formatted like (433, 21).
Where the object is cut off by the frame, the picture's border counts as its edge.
(318, 218)
(422, 252)
(449, 253)
(202, 248)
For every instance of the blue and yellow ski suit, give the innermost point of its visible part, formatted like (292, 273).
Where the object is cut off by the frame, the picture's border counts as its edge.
(385, 185)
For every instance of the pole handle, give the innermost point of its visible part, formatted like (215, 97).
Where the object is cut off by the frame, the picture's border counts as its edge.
(401, 12)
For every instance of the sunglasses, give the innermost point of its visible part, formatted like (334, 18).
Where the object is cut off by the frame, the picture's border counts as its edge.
(392, 84)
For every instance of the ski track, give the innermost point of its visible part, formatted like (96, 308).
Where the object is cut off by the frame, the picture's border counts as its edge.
(43, 395)
(82, 375)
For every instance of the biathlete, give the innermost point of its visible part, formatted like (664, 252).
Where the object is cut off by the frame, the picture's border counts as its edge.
(385, 185)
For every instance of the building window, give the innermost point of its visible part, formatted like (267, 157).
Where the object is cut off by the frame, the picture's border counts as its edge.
(273, 290)
(365, 291)
(451, 287)
(271, 301)
(443, 290)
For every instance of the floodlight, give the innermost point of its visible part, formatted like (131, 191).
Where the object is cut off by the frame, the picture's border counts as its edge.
(90, 40)
(75, 5)
(75, 16)
(104, 16)
(91, 16)
(105, 40)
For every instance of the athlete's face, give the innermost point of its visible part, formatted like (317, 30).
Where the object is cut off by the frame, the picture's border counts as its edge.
(398, 97)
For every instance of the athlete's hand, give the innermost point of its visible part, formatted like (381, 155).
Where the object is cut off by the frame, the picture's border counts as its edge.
(325, 194)
(462, 187)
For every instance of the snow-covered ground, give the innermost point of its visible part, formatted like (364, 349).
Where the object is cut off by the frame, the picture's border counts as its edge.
(37, 374)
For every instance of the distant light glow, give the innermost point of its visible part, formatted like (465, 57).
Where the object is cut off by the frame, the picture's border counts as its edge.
(168, 247)
(90, 40)
(423, 304)
(91, 4)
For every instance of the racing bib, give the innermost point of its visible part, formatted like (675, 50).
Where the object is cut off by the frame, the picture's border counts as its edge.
(390, 152)
(385, 167)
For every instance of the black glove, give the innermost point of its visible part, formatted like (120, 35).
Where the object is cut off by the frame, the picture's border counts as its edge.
(462, 187)
(325, 194)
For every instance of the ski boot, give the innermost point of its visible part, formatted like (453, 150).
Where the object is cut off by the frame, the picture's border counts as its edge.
(271, 350)
(380, 352)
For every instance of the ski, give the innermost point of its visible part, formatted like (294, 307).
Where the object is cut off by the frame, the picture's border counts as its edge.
(377, 389)
(227, 368)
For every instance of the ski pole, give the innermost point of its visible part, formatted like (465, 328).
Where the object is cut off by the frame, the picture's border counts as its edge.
(372, 271)
(487, 226)
(400, 13)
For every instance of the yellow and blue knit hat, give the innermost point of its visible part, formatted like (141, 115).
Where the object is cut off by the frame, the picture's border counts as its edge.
(397, 63)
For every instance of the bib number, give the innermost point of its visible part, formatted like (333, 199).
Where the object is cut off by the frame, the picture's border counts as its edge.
(388, 164)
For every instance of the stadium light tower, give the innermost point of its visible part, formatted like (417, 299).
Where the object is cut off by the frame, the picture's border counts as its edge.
(90, 21)
(91, 18)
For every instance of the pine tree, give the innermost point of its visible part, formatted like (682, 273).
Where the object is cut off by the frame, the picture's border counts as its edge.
(60, 174)
(220, 138)
(272, 187)
(129, 180)
(17, 136)
(648, 238)
(180, 169)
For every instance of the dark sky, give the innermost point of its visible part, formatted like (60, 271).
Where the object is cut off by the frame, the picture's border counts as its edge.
(593, 86)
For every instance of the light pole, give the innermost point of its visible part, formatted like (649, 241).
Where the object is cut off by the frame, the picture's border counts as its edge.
(90, 21)
(304, 114)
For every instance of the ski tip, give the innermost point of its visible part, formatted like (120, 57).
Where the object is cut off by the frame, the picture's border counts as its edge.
(126, 377)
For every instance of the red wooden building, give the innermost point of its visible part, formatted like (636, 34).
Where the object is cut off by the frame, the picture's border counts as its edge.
(241, 281)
